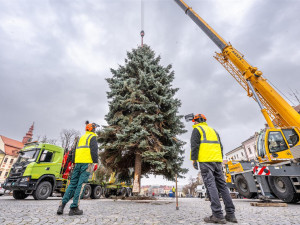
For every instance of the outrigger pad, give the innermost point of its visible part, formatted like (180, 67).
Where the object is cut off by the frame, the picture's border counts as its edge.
(189, 117)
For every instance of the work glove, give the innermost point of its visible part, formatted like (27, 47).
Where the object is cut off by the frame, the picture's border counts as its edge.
(95, 167)
(195, 165)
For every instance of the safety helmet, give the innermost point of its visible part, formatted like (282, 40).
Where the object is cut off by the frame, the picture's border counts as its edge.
(199, 118)
(90, 126)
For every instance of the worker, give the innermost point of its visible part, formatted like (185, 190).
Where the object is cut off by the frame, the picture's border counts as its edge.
(207, 150)
(86, 154)
(173, 190)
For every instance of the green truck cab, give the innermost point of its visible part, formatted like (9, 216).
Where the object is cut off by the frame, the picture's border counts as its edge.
(36, 172)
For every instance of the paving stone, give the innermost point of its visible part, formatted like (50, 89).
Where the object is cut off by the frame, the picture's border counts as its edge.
(163, 211)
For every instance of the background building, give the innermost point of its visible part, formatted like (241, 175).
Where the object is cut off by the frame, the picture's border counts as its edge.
(236, 154)
(9, 151)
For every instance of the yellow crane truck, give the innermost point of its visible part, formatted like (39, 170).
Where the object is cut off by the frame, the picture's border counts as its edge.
(277, 174)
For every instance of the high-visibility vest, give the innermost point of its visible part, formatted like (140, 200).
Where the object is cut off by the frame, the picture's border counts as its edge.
(210, 147)
(173, 189)
(83, 151)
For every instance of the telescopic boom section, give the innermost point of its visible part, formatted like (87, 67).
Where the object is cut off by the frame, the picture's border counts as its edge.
(217, 39)
(278, 109)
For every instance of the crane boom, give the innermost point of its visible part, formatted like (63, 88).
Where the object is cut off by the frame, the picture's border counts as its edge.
(216, 38)
(276, 108)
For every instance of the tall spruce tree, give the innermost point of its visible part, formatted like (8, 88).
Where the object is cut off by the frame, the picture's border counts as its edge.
(143, 124)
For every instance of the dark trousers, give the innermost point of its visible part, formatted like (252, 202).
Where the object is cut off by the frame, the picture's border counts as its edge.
(75, 189)
(214, 180)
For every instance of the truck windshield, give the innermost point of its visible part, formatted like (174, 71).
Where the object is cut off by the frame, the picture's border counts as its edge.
(276, 142)
(29, 156)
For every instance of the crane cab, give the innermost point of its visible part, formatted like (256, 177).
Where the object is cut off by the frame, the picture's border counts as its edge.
(274, 144)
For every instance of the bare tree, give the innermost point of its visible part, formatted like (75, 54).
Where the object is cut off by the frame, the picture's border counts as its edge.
(44, 139)
(200, 179)
(191, 186)
(67, 137)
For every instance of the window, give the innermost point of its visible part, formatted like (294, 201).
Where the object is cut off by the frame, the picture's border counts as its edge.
(46, 156)
(249, 149)
(6, 174)
(0, 173)
(261, 151)
(242, 154)
(276, 142)
(291, 136)
(11, 161)
(5, 160)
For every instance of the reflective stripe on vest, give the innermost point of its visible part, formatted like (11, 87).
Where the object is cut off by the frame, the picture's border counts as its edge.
(83, 151)
(210, 147)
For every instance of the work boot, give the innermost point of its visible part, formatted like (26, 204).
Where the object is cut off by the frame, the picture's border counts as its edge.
(213, 219)
(231, 219)
(60, 209)
(75, 211)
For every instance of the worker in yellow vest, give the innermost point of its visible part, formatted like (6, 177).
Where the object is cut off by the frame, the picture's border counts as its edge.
(207, 150)
(173, 190)
(86, 154)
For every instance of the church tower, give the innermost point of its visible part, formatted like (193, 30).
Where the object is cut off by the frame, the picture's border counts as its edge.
(28, 137)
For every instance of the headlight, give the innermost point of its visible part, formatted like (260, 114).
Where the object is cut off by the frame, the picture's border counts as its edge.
(25, 179)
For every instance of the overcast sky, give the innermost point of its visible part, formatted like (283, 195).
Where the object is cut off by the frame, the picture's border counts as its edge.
(56, 54)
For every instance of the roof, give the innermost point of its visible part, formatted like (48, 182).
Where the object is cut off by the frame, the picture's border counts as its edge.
(234, 150)
(11, 145)
(1, 152)
(253, 137)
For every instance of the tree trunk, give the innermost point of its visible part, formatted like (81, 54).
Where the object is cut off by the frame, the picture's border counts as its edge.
(137, 174)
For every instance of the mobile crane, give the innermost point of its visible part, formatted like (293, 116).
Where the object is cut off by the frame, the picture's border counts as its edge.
(278, 147)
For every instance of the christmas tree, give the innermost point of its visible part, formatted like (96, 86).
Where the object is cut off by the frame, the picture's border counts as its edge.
(143, 124)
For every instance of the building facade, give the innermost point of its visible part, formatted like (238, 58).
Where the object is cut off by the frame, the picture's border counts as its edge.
(236, 154)
(250, 147)
(9, 151)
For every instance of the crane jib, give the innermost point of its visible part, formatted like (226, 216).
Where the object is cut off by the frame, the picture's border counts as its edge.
(206, 29)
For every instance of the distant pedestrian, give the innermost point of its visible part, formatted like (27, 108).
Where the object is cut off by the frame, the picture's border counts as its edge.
(173, 190)
(206, 148)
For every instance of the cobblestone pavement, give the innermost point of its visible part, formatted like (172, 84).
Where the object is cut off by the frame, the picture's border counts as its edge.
(161, 211)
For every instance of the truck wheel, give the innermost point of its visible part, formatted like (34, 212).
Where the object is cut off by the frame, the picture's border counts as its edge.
(107, 193)
(96, 193)
(87, 191)
(243, 187)
(129, 192)
(19, 195)
(43, 191)
(123, 192)
(283, 189)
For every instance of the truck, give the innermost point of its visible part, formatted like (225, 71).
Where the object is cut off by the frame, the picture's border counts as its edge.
(201, 191)
(41, 170)
(277, 172)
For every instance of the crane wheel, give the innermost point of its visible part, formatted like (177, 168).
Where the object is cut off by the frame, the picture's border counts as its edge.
(243, 187)
(283, 189)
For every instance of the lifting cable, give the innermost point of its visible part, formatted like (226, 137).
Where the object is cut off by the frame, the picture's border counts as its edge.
(142, 22)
